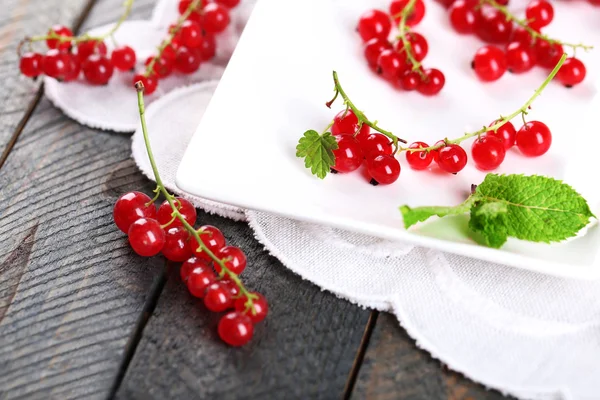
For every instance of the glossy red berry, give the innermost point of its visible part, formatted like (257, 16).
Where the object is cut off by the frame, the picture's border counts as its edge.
(507, 133)
(572, 72)
(390, 65)
(150, 82)
(534, 139)
(520, 34)
(191, 34)
(199, 280)
(520, 57)
(97, 69)
(162, 67)
(235, 259)
(539, 13)
(463, 16)
(123, 58)
(349, 155)
(548, 55)
(492, 26)
(432, 83)
(346, 123)
(373, 48)
(452, 158)
(383, 169)
(212, 238)
(418, 46)
(438, 145)
(185, 4)
(59, 30)
(419, 160)
(235, 329)
(185, 208)
(178, 246)
(410, 80)
(130, 207)
(489, 63)
(216, 18)
(217, 297)
(56, 64)
(259, 310)
(192, 264)
(414, 17)
(228, 3)
(146, 237)
(31, 64)
(89, 47)
(208, 49)
(374, 24)
(488, 152)
(74, 68)
(376, 144)
(188, 60)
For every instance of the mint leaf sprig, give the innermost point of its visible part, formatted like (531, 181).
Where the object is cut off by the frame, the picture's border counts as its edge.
(317, 149)
(533, 208)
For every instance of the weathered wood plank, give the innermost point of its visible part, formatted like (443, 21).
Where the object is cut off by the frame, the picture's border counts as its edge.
(305, 348)
(395, 369)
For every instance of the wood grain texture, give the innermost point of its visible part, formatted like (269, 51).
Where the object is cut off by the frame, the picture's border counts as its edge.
(395, 369)
(303, 350)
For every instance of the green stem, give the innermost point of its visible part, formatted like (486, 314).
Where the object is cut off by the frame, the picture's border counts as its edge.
(406, 45)
(171, 199)
(362, 119)
(534, 34)
(522, 111)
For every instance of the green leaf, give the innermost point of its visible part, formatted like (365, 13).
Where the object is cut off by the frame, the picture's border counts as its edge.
(317, 151)
(489, 219)
(411, 216)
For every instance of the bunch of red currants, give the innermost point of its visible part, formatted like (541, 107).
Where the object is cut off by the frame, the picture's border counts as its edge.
(151, 231)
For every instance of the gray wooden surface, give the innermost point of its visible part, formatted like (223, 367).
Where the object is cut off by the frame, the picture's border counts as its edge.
(82, 317)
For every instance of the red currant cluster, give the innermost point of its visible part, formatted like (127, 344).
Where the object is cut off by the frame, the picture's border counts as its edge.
(525, 45)
(399, 62)
(210, 267)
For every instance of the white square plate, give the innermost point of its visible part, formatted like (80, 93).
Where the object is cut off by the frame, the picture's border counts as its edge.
(275, 88)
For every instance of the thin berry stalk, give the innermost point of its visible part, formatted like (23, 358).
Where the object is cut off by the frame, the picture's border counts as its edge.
(404, 29)
(171, 200)
(523, 110)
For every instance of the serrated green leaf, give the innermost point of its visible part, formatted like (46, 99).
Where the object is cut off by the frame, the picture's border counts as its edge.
(411, 216)
(539, 209)
(317, 151)
(489, 220)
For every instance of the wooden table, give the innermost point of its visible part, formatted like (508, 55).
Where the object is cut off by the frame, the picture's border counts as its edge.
(82, 317)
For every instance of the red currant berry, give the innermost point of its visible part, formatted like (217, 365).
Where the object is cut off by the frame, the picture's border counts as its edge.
(31, 64)
(56, 64)
(208, 49)
(410, 80)
(452, 158)
(162, 67)
(228, 3)
(199, 280)
(534, 139)
(548, 55)
(235, 329)
(185, 208)
(234, 259)
(539, 13)
(418, 45)
(507, 133)
(130, 207)
(432, 83)
(192, 264)
(74, 68)
(216, 18)
(520, 57)
(571, 72)
(489, 63)
(521, 34)
(446, 3)
(492, 26)
(218, 297)
(438, 145)
(188, 60)
(257, 312)
(89, 47)
(212, 238)
(59, 30)
(97, 69)
(191, 34)
(390, 65)
(414, 17)
(594, 2)
(146, 237)
(374, 24)
(123, 58)
(419, 160)
(383, 169)
(233, 288)
(376, 144)
(185, 4)
(463, 16)
(177, 244)
(488, 152)
(170, 52)
(150, 82)
(346, 123)
(373, 48)
(348, 156)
